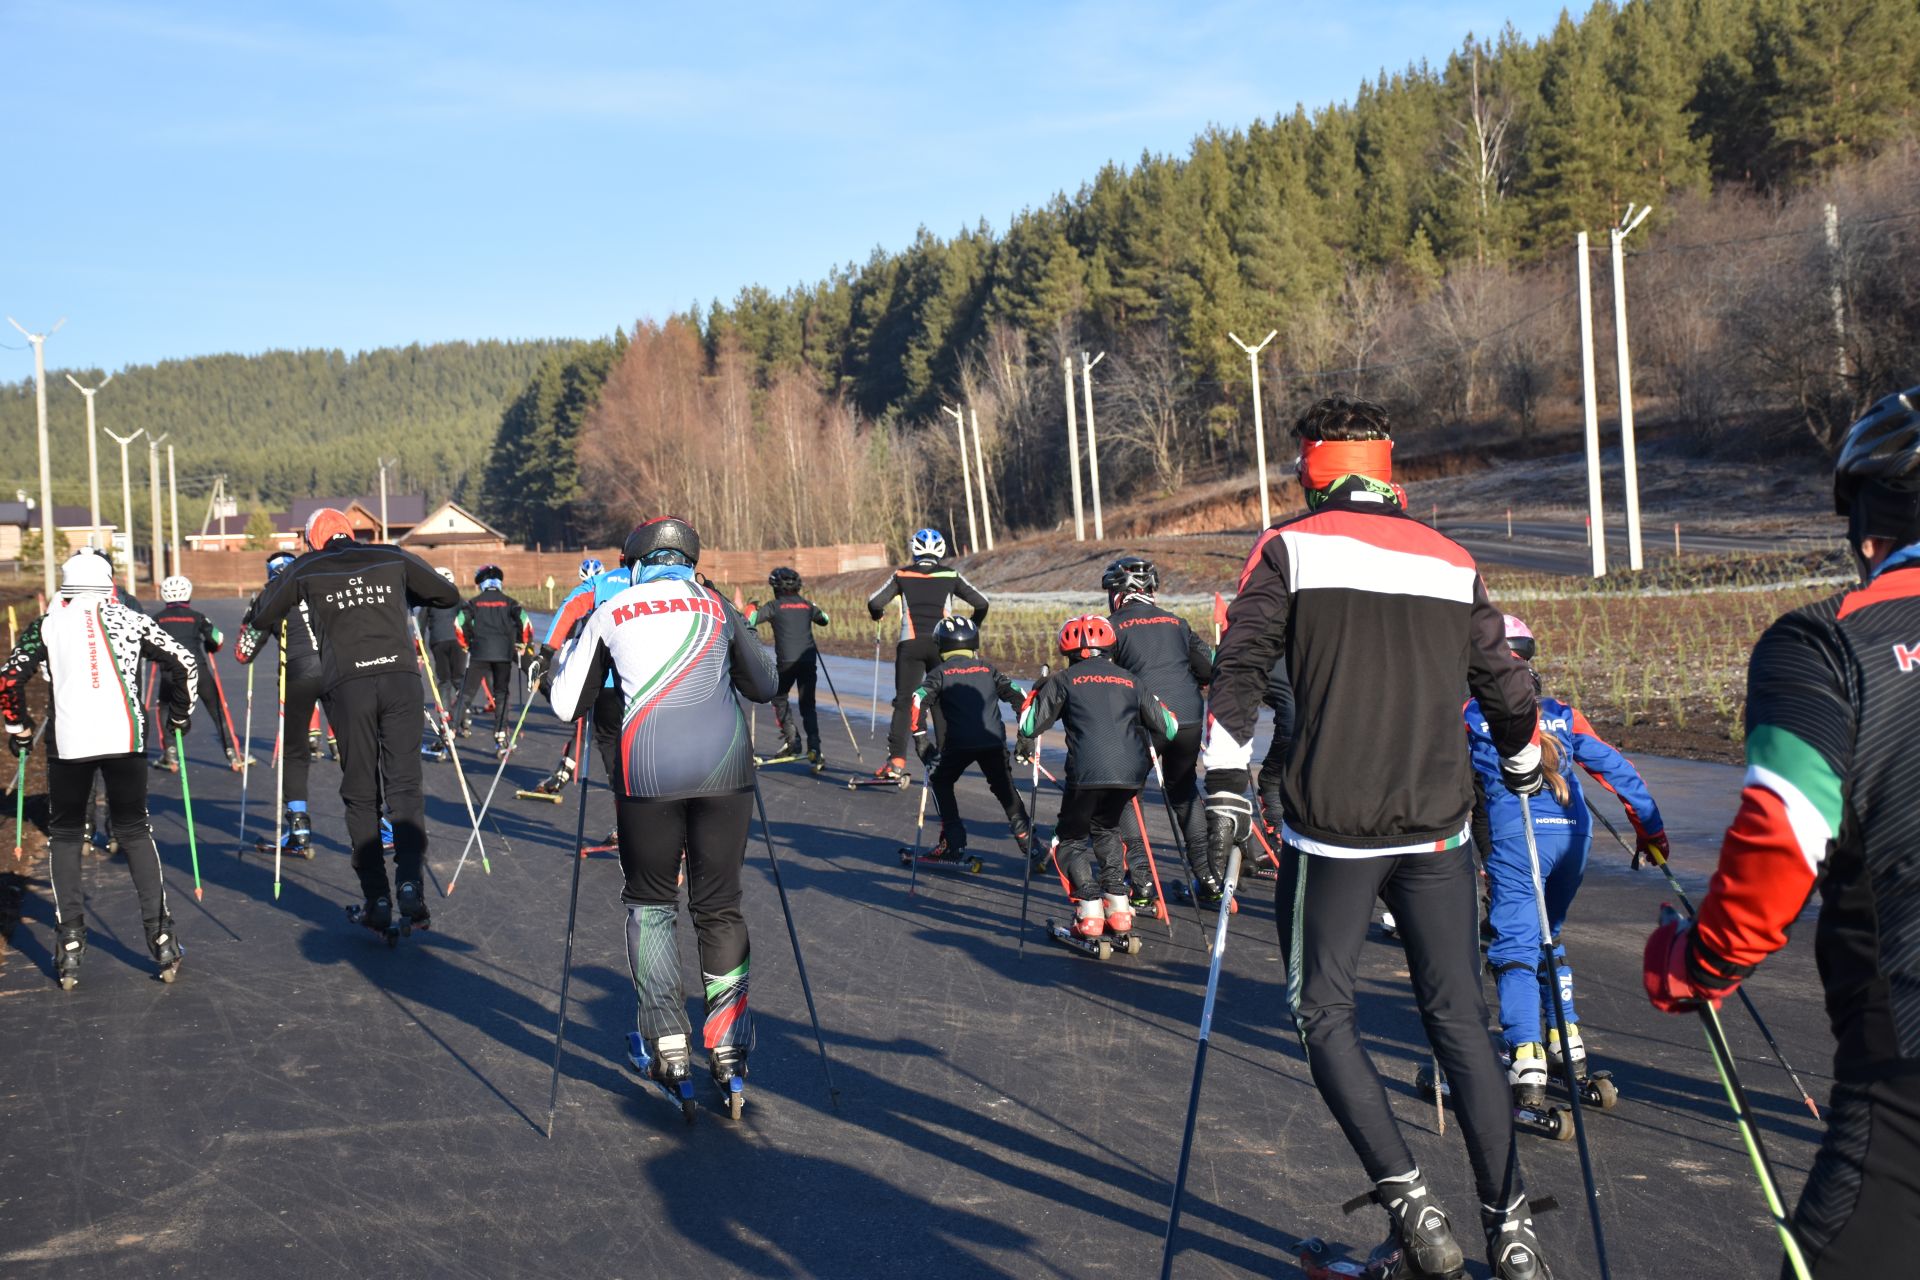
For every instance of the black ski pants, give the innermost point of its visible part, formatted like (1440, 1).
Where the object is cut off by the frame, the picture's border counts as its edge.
(296, 749)
(993, 765)
(69, 797)
(1180, 771)
(377, 726)
(1088, 830)
(449, 669)
(209, 698)
(499, 678)
(911, 662)
(1323, 909)
(801, 673)
(1861, 1206)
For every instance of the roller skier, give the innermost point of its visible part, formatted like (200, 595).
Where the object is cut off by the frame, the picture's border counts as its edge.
(1174, 665)
(444, 647)
(493, 629)
(90, 647)
(793, 619)
(684, 787)
(1372, 610)
(297, 749)
(1831, 801)
(198, 636)
(1110, 720)
(968, 691)
(926, 589)
(1563, 834)
(358, 599)
(598, 584)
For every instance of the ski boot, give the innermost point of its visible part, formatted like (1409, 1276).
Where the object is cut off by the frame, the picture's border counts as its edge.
(234, 762)
(500, 744)
(790, 748)
(556, 782)
(466, 725)
(1143, 900)
(299, 834)
(1527, 1074)
(728, 1065)
(410, 905)
(1208, 890)
(1513, 1251)
(376, 914)
(313, 744)
(69, 949)
(1120, 924)
(815, 762)
(1022, 832)
(1596, 1087)
(1389, 926)
(433, 745)
(167, 761)
(667, 1064)
(1421, 1224)
(164, 945)
(1576, 1055)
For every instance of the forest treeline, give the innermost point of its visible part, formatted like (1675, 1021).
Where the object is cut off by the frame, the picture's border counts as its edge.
(280, 424)
(1415, 244)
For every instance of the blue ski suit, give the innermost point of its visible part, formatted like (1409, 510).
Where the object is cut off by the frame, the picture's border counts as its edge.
(1562, 833)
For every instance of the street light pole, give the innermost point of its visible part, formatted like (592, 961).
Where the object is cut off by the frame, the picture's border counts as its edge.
(1093, 449)
(1259, 425)
(966, 475)
(93, 456)
(980, 474)
(173, 505)
(1073, 456)
(126, 499)
(1596, 528)
(158, 569)
(384, 464)
(1630, 464)
(39, 343)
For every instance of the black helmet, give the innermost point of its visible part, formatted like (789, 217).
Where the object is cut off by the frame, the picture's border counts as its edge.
(784, 579)
(1131, 575)
(956, 633)
(661, 540)
(487, 573)
(1876, 477)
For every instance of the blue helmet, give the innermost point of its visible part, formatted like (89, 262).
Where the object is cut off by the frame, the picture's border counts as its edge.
(277, 563)
(927, 544)
(590, 567)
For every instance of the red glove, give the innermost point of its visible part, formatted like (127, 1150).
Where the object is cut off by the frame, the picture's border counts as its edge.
(1671, 987)
(1647, 845)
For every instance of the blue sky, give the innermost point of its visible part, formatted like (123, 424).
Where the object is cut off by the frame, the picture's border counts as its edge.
(218, 176)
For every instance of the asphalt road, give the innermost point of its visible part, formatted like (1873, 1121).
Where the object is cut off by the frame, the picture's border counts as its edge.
(1553, 547)
(306, 1102)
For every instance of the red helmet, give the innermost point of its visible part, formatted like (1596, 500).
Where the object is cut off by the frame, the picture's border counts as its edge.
(1087, 635)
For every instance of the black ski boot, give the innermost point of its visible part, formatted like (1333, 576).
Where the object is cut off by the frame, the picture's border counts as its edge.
(556, 782)
(815, 761)
(69, 949)
(299, 837)
(167, 761)
(1208, 890)
(313, 744)
(1513, 1251)
(665, 1062)
(375, 914)
(950, 847)
(728, 1065)
(500, 744)
(410, 905)
(164, 945)
(1421, 1224)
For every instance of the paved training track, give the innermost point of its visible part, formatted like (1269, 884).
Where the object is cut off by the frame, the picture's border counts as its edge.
(305, 1102)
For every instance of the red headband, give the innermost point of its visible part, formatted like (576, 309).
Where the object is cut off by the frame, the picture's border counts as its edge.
(1322, 462)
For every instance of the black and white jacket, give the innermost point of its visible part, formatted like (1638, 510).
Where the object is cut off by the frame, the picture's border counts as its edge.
(91, 646)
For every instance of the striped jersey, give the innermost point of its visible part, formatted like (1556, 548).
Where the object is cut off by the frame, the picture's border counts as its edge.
(926, 590)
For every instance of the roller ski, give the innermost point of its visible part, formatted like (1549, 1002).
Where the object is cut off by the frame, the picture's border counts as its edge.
(816, 763)
(1099, 928)
(1421, 1243)
(786, 757)
(164, 946)
(1206, 893)
(610, 843)
(553, 787)
(236, 763)
(69, 949)
(943, 854)
(1596, 1087)
(891, 774)
(433, 746)
(1322, 1261)
(728, 1066)
(376, 914)
(410, 909)
(1542, 1121)
(500, 749)
(296, 839)
(167, 761)
(666, 1065)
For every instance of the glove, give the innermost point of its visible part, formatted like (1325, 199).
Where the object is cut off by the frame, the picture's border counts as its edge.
(247, 645)
(1647, 846)
(179, 721)
(20, 736)
(924, 747)
(1521, 771)
(1671, 982)
(1229, 813)
(1023, 749)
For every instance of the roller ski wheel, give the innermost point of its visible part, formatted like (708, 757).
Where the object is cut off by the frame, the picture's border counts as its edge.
(1100, 948)
(1597, 1088)
(668, 1068)
(1550, 1123)
(377, 915)
(728, 1066)
(1322, 1261)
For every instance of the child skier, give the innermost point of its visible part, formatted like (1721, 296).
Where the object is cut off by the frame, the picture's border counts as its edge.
(90, 646)
(793, 619)
(1563, 830)
(443, 646)
(199, 637)
(926, 589)
(968, 692)
(1107, 763)
(297, 749)
(492, 628)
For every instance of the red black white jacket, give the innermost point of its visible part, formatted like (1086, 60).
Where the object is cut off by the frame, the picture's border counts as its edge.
(1384, 625)
(91, 646)
(1110, 720)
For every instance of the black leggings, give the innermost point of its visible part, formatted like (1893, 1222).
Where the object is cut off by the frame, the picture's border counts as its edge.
(712, 832)
(993, 764)
(1323, 908)
(802, 674)
(69, 797)
(449, 669)
(1861, 1205)
(911, 661)
(209, 698)
(1179, 768)
(377, 724)
(499, 678)
(297, 748)
(1088, 828)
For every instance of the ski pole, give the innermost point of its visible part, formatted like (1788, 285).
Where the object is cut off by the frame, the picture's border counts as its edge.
(873, 702)
(919, 830)
(799, 964)
(573, 907)
(1743, 1116)
(1200, 1059)
(1179, 837)
(1566, 1041)
(453, 752)
(280, 763)
(246, 760)
(20, 802)
(186, 799)
(1033, 817)
(1686, 905)
(512, 743)
(837, 706)
(220, 693)
(1146, 846)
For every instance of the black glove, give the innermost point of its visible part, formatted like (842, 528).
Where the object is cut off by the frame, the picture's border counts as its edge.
(928, 752)
(1023, 748)
(179, 721)
(1521, 771)
(20, 736)
(1229, 812)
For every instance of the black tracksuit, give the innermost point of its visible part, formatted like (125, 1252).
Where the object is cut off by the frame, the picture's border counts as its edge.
(1273, 767)
(1382, 623)
(1174, 664)
(199, 637)
(358, 598)
(443, 646)
(926, 590)
(302, 692)
(1105, 710)
(969, 692)
(492, 628)
(793, 619)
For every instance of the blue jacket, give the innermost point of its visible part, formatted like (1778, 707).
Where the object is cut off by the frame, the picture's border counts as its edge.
(582, 601)
(1580, 745)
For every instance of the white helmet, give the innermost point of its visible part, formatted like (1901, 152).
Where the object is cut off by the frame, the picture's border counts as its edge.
(444, 572)
(927, 543)
(85, 571)
(175, 589)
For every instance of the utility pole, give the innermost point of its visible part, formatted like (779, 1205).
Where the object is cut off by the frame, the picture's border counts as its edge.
(1836, 295)
(126, 500)
(1630, 464)
(1259, 426)
(966, 476)
(158, 568)
(1093, 449)
(980, 474)
(1597, 531)
(1073, 456)
(93, 457)
(384, 464)
(39, 343)
(173, 505)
